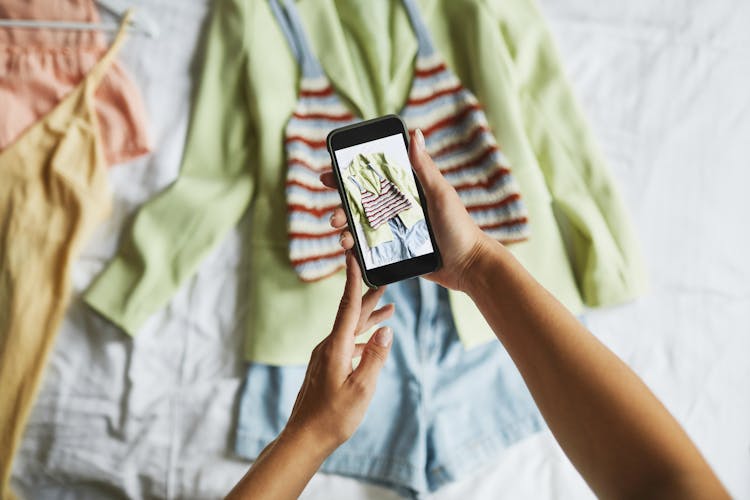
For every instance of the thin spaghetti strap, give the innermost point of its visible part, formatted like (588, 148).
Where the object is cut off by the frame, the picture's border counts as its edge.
(309, 63)
(351, 178)
(101, 67)
(369, 165)
(286, 28)
(424, 40)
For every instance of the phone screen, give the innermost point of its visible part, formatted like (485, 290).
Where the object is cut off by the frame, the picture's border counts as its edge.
(385, 205)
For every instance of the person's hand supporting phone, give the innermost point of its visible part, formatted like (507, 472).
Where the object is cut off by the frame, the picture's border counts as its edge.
(458, 237)
(382, 200)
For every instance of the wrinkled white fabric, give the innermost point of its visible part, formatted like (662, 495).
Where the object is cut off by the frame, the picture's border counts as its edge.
(666, 87)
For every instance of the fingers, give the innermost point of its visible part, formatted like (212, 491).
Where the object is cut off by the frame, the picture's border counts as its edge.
(358, 350)
(346, 240)
(338, 221)
(338, 218)
(328, 179)
(427, 172)
(369, 301)
(347, 316)
(377, 316)
(374, 354)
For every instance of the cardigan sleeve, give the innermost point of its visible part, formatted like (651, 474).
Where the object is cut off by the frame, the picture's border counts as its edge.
(355, 205)
(604, 252)
(171, 233)
(403, 178)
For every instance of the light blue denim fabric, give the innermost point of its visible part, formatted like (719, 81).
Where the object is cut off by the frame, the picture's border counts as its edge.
(404, 245)
(439, 411)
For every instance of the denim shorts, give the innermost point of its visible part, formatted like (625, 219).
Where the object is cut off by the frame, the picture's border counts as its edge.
(406, 243)
(439, 411)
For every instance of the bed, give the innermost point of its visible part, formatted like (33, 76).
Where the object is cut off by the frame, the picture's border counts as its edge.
(666, 86)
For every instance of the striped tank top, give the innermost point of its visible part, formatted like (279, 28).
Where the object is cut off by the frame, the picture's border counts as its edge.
(383, 206)
(456, 132)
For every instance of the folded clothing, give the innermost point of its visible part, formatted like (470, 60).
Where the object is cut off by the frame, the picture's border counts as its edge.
(39, 67)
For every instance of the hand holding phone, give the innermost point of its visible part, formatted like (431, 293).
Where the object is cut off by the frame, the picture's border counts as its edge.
(383, 201)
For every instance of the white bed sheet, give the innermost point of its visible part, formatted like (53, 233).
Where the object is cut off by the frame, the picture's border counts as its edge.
(667, 88)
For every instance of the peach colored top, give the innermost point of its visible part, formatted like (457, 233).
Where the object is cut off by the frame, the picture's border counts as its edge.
(39, 67)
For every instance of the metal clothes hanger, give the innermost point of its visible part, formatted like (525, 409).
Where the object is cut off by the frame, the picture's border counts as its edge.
(141, 23)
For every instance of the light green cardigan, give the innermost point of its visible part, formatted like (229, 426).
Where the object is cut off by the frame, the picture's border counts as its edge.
(359, 168)
(234, 161)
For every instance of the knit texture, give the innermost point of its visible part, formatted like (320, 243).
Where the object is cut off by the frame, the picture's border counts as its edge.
(385, 205)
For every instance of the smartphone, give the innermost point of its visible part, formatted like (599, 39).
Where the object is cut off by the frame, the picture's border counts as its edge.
(383, 200)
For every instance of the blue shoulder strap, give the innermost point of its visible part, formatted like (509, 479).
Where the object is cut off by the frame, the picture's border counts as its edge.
(291, 25)
(424, 40)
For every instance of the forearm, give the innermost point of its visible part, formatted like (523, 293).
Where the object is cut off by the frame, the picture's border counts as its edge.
(283, 468)
(614, 430)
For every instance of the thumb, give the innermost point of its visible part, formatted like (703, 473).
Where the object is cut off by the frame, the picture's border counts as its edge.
(373, 358)
(427, 172)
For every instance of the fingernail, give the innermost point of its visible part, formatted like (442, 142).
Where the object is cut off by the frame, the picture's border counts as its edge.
(419, 139)
(341, 237)
(330, 219)
(383, 337)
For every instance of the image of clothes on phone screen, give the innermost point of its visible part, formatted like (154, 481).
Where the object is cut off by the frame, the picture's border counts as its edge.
(385, 207)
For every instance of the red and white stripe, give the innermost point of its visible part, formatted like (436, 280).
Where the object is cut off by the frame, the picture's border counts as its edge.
(384, 206)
